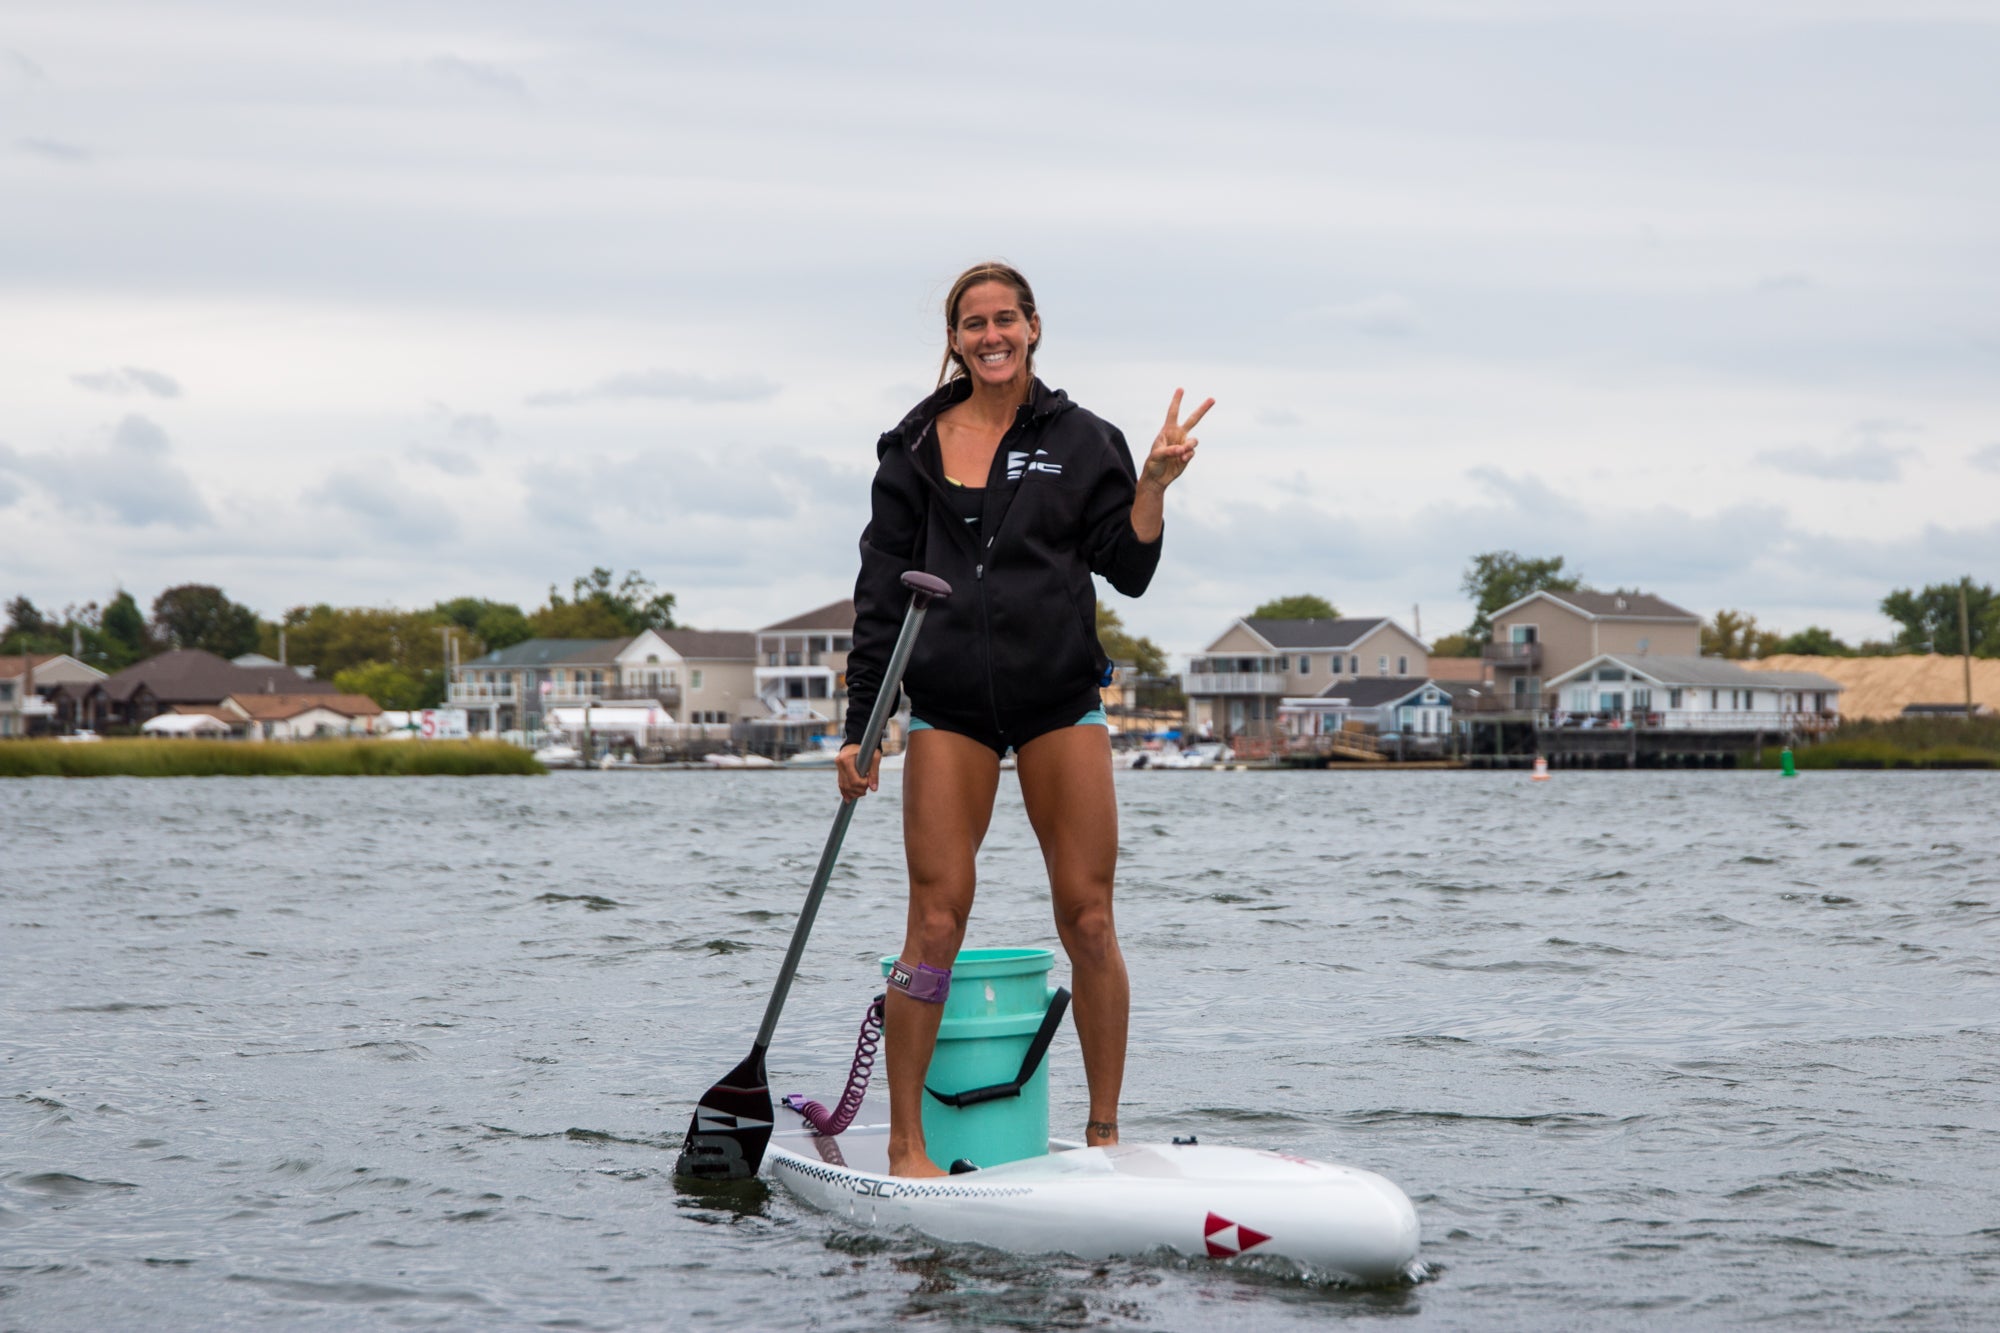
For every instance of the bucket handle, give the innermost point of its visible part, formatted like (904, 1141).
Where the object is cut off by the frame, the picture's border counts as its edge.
(1039, 1047)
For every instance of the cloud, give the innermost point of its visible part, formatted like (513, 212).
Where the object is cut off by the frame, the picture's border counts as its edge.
(1870, 460)
(10, 490)
(452, 462)
(21, 65)
(1387, 315)
(680, 384)
(133, 477)
(1279, 418)
(130, 379)
(1986, 459)
(52, 150)
(389, 511)
(476, 427)
(479, 75)
(1785, 282)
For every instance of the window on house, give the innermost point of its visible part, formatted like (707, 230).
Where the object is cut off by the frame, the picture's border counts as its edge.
(770, 659)
(1673, 698)
(1382, 665)
(817, 688)
(795, 689)
(842, 643)
(1284, 664)
(1305, 664)
(1402, 666)
(1354, 663)
(793, 659)
(694, 679)
(652, 659)
(1715, 701)
(819, 643)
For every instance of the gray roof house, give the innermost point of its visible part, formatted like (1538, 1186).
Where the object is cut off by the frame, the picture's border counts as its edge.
(1236, 684)
(1690, 692)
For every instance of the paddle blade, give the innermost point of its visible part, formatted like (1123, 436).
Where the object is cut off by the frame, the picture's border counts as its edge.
(731, 1125)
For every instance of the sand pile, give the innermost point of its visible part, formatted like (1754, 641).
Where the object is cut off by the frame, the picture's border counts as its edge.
(1878, 687)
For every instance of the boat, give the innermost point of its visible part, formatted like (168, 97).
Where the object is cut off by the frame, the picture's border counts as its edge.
(1200, 1200)
(559, 755)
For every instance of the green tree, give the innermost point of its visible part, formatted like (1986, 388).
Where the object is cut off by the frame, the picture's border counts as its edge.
(1302, 606)
(1455, 645)
(578, 620)
(384, 682)
(1734, 634)
(336, 639)
(199, 615)
(126, 638)
(494, 624)
(1501, 578)
(633, 604)
(1928, 620)
(29, 631)
(1121, 646)
(1814, 641)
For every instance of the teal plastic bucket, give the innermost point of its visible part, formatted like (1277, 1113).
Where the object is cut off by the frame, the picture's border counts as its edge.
(997, 1000)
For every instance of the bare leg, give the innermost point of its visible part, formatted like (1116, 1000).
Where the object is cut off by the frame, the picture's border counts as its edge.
(948, 786)
(1067, 785)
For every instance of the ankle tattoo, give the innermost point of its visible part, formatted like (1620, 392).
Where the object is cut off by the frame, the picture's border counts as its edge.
(1103, 1129)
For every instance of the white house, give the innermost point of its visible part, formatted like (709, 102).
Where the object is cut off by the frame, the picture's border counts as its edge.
(1415, 709)
(1691, 693)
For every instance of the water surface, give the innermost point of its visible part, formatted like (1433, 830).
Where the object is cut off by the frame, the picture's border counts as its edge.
(1650, 1049)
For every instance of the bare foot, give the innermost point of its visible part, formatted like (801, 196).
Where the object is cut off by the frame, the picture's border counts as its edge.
(1100, 1133)
(913, 1164)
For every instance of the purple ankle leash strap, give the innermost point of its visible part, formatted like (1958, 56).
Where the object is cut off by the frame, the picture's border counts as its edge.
(832, 1122)
(921, 981)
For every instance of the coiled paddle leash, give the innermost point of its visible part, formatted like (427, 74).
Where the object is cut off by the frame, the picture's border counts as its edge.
(832, 1122)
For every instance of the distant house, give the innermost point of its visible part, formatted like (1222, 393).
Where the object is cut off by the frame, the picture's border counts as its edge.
(699, 676)
(1418, 709)
(1549, 634)
(185, 677)
(1691, 693)
(801, 671)
(509, 689)
(1237, 684)
(35, 689)
(293, 717)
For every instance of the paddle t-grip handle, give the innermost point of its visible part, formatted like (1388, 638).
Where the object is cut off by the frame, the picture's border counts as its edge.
(924, 589)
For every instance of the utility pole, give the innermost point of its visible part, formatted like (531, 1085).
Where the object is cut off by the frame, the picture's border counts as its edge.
(1965, 644)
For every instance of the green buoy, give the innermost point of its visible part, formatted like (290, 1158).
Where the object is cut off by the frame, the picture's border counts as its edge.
(1786, 768)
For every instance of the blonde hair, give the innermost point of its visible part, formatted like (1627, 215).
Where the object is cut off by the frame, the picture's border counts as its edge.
(954, 365)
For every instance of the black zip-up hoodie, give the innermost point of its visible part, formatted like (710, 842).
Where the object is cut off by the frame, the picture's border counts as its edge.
(1016, 643)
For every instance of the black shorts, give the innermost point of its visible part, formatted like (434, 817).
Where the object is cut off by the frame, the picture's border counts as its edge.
(1017, 732)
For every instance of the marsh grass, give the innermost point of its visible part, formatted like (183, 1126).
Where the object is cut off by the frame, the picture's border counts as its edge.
(329, 758)
(1926, 742)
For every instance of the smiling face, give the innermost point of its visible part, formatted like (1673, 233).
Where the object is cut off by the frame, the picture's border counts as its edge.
(994, 340)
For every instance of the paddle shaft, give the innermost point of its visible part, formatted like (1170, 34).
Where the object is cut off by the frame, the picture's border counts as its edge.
(871, 740)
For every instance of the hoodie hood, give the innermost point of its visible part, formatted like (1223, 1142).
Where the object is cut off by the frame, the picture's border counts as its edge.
(1043, 403)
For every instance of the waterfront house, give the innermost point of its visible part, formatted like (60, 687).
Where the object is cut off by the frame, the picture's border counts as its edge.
(295, 717)
(1690, 693)
(185, 677)
(1415, 709)
(1237, 684)
(510, 688)
(35, 688)
(801, 671)
(1549, 634)
(700, 677)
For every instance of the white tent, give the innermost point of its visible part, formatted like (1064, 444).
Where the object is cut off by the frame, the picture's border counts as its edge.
(185, 724)
(631, 720)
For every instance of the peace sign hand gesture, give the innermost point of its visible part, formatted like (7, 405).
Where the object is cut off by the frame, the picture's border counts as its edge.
(1173, 447)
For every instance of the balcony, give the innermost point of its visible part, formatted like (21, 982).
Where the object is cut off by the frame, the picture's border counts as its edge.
(481, 692)
(1516, 656)
(1233, 682)
(572, 696)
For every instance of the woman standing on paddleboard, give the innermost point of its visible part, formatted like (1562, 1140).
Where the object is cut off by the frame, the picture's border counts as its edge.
(1015, 496)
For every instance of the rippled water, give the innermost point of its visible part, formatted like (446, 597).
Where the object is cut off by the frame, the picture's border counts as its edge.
(1676, 1049)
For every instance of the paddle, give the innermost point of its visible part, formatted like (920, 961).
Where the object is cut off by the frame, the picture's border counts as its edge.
(732, 1122)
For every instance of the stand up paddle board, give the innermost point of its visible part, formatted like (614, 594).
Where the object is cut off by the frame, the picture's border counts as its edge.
(1097, 1203)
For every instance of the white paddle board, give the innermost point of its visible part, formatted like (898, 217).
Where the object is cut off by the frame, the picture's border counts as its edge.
(1096, 1203)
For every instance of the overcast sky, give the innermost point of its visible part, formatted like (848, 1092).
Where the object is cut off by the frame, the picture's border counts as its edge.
(382, 303)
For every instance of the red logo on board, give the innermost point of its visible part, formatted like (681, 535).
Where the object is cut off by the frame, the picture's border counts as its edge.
(1227, 1239)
